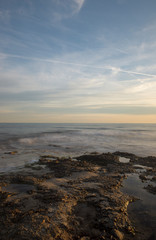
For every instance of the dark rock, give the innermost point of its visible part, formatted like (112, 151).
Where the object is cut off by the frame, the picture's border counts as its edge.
(68, 200)
(151, 189)
(100, 159)
(11, 153)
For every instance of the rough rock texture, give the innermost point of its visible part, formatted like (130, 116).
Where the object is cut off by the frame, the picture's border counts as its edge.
(66, 199)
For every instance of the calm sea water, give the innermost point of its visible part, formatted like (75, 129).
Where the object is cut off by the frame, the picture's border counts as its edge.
(33, 140)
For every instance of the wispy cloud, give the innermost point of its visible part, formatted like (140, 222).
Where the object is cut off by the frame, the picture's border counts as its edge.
(112, 68)
(79, 4)
(72, 88)
(54, 66)
(67, 9)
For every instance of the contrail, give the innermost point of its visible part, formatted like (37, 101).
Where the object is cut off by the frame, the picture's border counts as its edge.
(2, 55)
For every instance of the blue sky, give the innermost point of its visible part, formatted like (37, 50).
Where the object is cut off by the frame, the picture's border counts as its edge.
(77, 61)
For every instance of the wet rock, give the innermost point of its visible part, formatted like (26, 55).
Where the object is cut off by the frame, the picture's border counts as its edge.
(85, 238)
(154, 178)
(25, 179)
(126, 155)
(143, 177)
(69, 200)
(151, 189)
(119, 235)
(100, 159)
(94, 153)
(11, 153)
(147, 161)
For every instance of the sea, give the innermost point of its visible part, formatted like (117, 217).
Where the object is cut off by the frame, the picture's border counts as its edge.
(29, 141)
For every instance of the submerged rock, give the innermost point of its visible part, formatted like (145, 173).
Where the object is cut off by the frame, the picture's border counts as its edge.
(11, 153)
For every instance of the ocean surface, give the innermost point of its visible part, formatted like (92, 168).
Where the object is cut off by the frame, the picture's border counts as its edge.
(35, 139)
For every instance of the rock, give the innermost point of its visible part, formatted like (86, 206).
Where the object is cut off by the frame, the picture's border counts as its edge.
(100, 159)
(119, 235)
(154, 178)
(85, 238)
(69, 200)
(151, 189)
(94, 153)
(143, 177)
(125, 154)
(11, 153)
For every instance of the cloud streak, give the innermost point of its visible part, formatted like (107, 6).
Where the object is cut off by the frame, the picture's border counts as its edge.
(79, 4)
(68, 9)
(112, 68)
(57, 59)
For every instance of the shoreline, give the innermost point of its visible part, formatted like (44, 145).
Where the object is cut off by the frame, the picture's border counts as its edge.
(79, 198)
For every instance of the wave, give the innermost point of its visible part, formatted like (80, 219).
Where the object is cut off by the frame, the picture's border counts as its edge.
(28, 141)
(78, 138)
(60, 132)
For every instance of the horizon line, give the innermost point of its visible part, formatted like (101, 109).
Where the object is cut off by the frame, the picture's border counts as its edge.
(77, 123)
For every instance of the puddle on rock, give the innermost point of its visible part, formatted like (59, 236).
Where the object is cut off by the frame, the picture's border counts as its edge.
(142, 212)
(18, 188)
(140, 168)
(124, 160)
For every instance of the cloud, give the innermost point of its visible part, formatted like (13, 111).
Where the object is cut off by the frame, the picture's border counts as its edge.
(95, 80)
(79, 4)
(41, 13)
(115, 70)
(148, 28)
(66, 9)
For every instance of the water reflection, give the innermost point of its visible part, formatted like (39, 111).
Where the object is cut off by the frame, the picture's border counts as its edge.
(143, 211)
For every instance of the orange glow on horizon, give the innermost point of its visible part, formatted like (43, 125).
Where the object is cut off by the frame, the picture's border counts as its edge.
(78, 118)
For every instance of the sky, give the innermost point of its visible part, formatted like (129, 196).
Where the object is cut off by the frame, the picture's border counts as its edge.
(78, 61)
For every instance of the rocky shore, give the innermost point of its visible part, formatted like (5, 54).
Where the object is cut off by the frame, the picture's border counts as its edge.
(73, 198)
